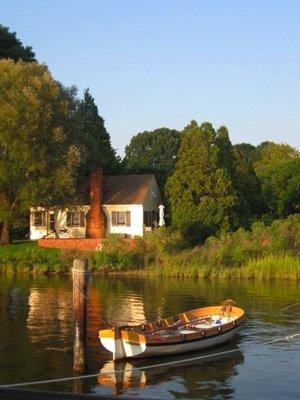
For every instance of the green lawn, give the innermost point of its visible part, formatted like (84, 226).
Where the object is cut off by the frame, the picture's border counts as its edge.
(26, 256)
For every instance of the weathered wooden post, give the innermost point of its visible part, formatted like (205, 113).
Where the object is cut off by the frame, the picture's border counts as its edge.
(80, 291)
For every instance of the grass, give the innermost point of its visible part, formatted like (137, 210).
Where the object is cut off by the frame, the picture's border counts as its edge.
(27, 257)
(285, 267)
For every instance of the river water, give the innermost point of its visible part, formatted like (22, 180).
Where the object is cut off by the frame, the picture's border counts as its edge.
(36, 337)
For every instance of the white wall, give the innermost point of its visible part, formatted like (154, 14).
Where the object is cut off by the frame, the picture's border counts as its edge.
(136, 219)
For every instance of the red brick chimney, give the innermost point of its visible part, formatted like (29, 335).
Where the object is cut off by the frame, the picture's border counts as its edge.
(95, 227)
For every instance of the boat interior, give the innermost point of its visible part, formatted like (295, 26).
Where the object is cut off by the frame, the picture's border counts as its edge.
(203, 322)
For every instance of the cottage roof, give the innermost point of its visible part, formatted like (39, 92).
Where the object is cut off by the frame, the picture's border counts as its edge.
(126, 189)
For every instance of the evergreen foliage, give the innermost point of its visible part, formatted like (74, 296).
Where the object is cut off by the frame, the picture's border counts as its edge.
(12, 47)
(201, 188)
(92, 137)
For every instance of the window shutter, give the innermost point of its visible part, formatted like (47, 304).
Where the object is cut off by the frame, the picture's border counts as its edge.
(114, 218)
(128, 222)
(82, 215)
(69, 218)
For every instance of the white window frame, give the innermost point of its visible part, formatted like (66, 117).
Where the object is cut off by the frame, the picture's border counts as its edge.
(80, 215)
(43, 218)
(117, 218)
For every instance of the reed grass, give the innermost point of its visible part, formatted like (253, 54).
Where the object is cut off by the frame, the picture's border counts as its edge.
(285, 267)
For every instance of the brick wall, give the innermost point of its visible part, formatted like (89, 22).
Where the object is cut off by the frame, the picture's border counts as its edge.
(73, 244)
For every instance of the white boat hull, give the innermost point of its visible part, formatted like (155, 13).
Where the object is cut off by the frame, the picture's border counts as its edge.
(150, 350)
(158, 350)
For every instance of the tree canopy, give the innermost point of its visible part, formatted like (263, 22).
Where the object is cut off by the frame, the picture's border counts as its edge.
(200, 188)
(38, 158)
(12, 47)
(153, 152)
(277, 167)
(270, 154)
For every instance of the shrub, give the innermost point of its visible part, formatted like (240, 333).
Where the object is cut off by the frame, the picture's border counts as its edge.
(196, 233)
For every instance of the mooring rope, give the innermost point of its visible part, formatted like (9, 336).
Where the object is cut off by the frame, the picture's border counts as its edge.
(80, 291)
(203, 357)
(74, 270)
(290, 306)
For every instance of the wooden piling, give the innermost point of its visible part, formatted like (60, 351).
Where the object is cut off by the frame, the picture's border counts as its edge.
(80, 296)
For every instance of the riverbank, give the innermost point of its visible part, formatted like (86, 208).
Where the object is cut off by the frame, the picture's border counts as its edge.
(263, 252)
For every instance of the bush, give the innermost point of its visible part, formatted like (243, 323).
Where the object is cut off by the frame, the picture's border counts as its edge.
(114, 261)
(194, 233)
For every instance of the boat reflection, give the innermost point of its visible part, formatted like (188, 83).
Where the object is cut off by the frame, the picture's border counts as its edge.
(190, 376)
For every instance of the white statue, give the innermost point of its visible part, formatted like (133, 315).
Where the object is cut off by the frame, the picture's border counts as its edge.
(161, 215)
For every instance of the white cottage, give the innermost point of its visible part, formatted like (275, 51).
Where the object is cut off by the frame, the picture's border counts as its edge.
(124, 204)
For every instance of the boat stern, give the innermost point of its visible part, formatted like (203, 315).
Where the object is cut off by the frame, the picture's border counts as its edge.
(122, 343)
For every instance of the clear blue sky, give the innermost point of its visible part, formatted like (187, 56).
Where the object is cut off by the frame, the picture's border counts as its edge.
(162, 63)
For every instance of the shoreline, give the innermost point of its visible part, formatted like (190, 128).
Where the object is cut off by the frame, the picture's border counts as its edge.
(284, 267)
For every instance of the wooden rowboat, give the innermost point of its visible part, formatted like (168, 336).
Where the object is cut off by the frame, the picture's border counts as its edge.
(189, 331)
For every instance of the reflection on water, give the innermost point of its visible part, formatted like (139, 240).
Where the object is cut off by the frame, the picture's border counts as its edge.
(131, 308)
(134, 377)
(48, 314)
(36, 336)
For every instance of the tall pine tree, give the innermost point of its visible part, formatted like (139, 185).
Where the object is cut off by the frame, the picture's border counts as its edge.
(200, 188)
(93, 138)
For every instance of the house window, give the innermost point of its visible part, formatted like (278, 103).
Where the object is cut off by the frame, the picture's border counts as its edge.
(121, 218)
(75, 218)
(40, 219)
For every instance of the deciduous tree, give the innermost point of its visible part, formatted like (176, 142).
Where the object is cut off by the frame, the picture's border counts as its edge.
(38, 158)
(153, 152)
(277, 167)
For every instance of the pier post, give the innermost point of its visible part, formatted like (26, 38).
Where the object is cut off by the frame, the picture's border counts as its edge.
(80, 291)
